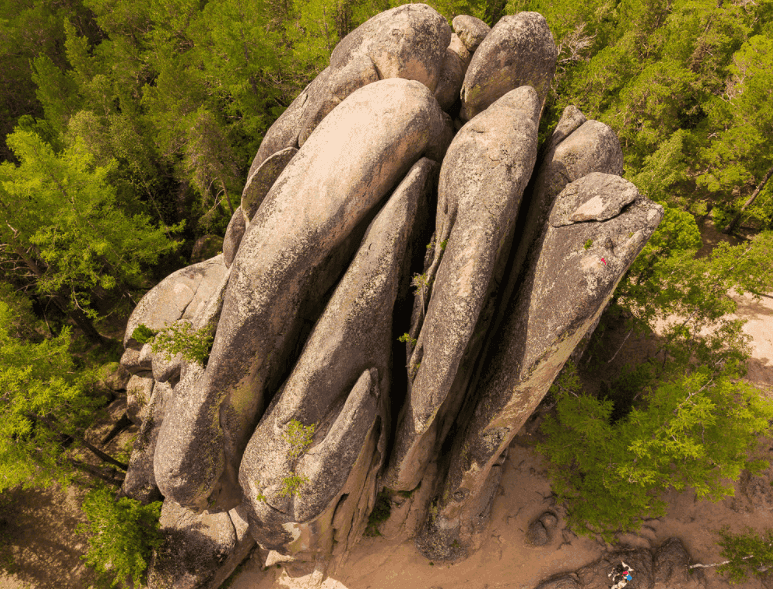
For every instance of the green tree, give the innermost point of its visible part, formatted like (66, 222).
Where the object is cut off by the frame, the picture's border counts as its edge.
(61, 224)
(688, 297)
(29, 29)
(683, 83)
(747, 553)
(122, 536)
(738, 159)
(45, 405)
(696, 431)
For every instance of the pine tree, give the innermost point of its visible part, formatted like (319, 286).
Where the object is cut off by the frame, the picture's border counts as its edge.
(45, 404)
(122, 536)
(60, 221)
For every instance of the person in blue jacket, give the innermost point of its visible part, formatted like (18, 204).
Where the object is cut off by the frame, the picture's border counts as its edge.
(621, 575)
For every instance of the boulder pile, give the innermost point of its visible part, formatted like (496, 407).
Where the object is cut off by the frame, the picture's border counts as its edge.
(404, 196)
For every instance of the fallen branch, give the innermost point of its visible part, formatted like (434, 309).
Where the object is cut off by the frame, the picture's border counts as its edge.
(762, 569)
(625, 339)
(708, 566)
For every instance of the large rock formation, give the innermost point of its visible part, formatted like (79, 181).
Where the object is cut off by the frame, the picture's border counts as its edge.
(320, 198)
(308, 407)
(481, 184)
(519, 51)
(593, 234)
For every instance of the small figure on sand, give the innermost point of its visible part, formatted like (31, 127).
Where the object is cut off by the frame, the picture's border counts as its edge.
(621, 575)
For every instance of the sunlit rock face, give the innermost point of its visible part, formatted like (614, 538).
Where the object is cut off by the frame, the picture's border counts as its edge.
(406, 275)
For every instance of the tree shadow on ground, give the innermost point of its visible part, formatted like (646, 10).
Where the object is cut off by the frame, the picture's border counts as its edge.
(38, 543)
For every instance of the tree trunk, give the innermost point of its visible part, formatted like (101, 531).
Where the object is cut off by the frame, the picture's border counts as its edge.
(750, 201)
(102, 455)
(83, 322)
(119, 426)
(49, 423)
(77, 316)
(97, 472)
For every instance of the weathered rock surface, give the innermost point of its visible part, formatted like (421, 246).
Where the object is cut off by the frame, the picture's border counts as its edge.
(140, 480)
(130, 360)
(182, 294)
(481, 183)
(325, 191)
(166, 302)
(464, 54)
(262, 179)
(192, 294)
(563, 582)
(472, 31)
(576, 148)
(537, 534)
(457, 60)
(590, 147)
(283, 133)
(570, 120)
(348, 350)
(671, 563)
(519, 51)
(197, 548)
(114, 377)
(408, 42)
(311, 294)
(233, 236)
(331, 87)
(570, 276)
(202, 313)
(451, 78)
(139, 391)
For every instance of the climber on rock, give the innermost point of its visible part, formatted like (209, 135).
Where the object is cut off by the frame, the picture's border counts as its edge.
(621, 575)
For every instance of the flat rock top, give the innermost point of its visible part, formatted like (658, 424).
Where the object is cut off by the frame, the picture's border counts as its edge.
(595, 197)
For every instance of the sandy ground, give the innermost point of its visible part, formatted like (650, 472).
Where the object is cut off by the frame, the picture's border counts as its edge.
(505, 560)
(759, 325)
(39, 546)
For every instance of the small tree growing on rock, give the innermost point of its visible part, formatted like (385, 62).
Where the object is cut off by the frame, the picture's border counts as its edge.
(746, 553)
(299, 437)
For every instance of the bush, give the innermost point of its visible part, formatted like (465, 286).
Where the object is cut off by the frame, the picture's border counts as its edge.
(122, 536)
(695, 431)
(178, 338)
(746, 553)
